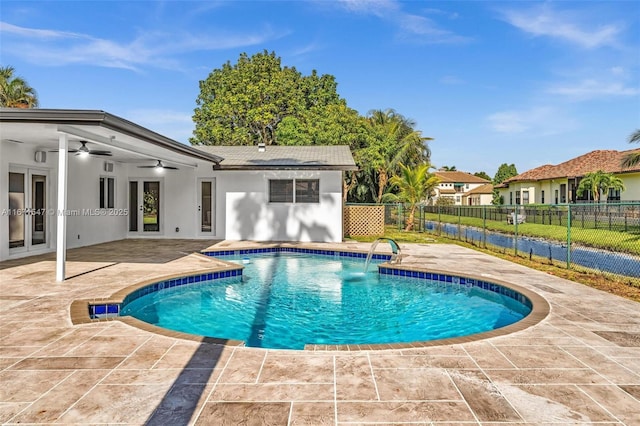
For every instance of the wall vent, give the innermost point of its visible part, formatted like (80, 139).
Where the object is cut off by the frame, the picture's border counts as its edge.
(108, 167)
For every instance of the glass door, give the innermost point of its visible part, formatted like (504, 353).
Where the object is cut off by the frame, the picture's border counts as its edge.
(28, 209)
(38, 208)
(145, 206)
(151, 206)
(206, 208)
(17, 217)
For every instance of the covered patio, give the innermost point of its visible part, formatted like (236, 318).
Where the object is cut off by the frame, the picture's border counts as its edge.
(581, 364)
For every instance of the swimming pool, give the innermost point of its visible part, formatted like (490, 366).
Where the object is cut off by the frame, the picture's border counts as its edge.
(289, 300)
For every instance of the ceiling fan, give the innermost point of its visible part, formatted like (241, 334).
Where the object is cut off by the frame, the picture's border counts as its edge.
(159, 166)
(83, 150)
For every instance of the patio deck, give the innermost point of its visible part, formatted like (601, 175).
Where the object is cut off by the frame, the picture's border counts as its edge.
(579, 365)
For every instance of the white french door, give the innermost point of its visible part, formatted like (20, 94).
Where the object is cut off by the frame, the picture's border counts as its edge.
(206, 207)
(29, 209)
(146, 206)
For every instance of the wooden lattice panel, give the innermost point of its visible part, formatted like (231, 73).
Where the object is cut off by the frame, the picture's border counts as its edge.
(363, 220)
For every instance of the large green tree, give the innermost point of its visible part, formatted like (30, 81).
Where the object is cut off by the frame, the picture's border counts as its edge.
(259, 100)
(482, 175)
(633, 158)
(414, 186)
(599, 182)
(505, 171)
(244, 103)
(14, 91)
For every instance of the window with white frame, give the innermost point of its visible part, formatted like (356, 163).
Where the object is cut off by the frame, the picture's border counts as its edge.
(294, 191)
(107, 192)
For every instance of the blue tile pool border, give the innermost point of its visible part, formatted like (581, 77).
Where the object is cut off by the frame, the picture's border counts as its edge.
(332, 253)
(111, 310)
(459, 280)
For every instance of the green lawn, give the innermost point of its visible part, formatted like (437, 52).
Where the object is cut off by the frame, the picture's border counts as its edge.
(625, 242)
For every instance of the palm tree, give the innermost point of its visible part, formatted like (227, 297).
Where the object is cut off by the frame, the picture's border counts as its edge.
(414, 186)
(14, 91)
(633, 158)
(398, 142)
(599, 182)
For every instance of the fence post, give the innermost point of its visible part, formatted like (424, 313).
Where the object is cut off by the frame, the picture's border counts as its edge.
(569, 238)
(459, 223)
(484, 227)
(515, 239)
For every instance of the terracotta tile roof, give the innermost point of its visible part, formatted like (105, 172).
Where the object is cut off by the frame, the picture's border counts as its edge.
(606, 160)
(484, 189)
(458, 177)
(448, 191)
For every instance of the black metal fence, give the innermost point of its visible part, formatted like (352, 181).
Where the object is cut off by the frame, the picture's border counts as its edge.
(600, 237)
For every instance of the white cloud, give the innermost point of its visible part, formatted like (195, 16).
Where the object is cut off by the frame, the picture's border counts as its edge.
(536, 121)
(619, 71)
(378, 8)
(410, 25)
(451, 79)
(590, 89)
(7, 28)
(545, 21)
(508, 122)
(158, 49)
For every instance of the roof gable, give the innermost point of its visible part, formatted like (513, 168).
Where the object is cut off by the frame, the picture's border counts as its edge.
(458, 177)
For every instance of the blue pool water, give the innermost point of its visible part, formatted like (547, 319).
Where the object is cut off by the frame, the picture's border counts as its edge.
(287, 300)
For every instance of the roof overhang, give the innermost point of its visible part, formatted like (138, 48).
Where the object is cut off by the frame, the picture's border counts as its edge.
(100, 127)
(288, 167)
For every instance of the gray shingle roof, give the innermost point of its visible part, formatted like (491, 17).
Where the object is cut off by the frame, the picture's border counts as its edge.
(333, 157)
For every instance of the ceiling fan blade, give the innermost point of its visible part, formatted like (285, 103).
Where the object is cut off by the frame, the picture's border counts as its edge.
(69, 151)
(146, 167)
(170, 167)
(106, 153)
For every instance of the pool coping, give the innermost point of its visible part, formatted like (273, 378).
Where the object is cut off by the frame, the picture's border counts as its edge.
(80, 309)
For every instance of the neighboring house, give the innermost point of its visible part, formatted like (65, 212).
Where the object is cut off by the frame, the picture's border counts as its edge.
(119, 190)
(458, 186)
(480, 196)
(557, 184)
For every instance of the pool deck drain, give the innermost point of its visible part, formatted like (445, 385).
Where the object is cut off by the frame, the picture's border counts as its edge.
(580, 364)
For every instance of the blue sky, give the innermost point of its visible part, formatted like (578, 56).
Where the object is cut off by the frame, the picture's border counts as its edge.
(528, 83)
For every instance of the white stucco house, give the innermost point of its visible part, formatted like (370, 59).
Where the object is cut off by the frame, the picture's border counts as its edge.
(70, 178)
(462, 188)
(558, 184)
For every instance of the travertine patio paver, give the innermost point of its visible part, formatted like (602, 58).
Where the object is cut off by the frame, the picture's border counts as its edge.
(581, 364)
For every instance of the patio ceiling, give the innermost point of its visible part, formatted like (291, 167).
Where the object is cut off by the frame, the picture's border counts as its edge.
(62, 130)
(128, 142)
